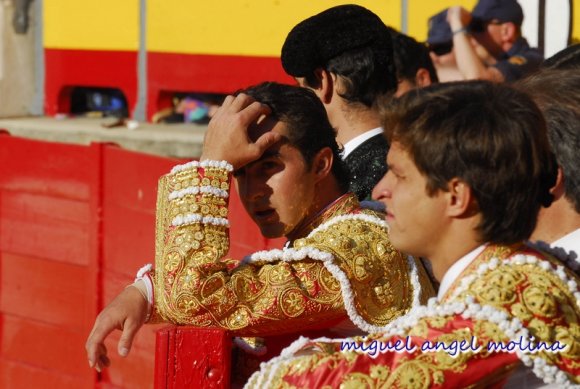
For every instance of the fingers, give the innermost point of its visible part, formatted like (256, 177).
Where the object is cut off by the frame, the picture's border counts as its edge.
(451, 13)
(126, 312)
(252, 113)
(228, 136)
(124, 346)
(95, 347)
(240, 102)
(237, 103)
(265, 141)
(102, 360)
(226, 105)
(249, 109)
(228, 101)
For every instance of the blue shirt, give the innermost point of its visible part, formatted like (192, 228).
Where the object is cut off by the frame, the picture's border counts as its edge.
(519, 61)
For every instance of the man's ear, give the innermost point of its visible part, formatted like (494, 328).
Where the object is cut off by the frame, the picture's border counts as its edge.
(558, 189)
(460, 198)
(422, 78)
(318, 76)
(327, 85)
(322, 163)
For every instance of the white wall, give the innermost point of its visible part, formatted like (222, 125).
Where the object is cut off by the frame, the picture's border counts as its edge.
(556, 26)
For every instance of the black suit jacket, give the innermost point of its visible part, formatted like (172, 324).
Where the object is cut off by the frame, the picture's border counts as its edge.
(367, 165)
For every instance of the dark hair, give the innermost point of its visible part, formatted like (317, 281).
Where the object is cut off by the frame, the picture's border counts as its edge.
(307, 123)
(490, 136)
(557, 93)
(569, 58)
(364, 75)
(349, 41)
(410, 56)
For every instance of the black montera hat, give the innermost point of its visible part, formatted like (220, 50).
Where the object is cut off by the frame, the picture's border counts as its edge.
(318, 39)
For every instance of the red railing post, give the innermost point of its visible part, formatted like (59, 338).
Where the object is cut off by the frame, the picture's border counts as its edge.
(189, 357)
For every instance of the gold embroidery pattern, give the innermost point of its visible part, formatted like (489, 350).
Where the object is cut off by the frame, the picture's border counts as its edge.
(416, 371)
(378, 274)
(540, 299)
(194, 286)
(530, 292)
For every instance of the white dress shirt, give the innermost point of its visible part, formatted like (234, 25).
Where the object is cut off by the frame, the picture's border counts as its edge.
(355, 142)
(570, 243)
(456, 269)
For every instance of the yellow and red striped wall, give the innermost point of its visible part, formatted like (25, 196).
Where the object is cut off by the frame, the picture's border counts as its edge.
(152, 48)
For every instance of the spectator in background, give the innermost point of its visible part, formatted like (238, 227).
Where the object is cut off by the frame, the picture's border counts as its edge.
(440, 43)
(345, 55)
(495, 25)
(557, 93)
(413, 63)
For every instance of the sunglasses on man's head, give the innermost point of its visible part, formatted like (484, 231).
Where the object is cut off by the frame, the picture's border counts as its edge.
(441, 48)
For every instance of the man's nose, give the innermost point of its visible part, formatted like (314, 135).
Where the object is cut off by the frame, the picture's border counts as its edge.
(251, 187)
(382, 189)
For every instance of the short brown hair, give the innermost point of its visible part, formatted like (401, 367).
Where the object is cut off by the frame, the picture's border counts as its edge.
(490, 136)
(557, 93)
(307, 123)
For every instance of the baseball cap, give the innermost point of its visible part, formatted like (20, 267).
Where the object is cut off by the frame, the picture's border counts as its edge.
(439, 30)
(439, 36)
(502, 10)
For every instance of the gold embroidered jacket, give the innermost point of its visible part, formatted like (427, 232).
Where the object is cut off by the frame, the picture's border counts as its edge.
(511, 306)
(342, 264)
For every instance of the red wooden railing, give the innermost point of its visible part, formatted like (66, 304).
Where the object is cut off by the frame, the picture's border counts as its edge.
(76, 222)
(189, 357)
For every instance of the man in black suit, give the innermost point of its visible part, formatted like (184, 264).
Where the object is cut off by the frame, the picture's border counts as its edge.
(345, 55)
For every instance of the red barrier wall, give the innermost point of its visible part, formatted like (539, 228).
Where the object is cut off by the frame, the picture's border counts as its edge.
(167, 74)
(76, 222)
(205, 73)
(66, 69)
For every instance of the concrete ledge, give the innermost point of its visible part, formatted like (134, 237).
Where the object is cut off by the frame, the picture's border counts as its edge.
(170, 140)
